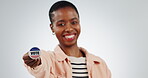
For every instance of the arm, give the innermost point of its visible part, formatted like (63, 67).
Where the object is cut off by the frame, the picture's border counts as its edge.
(38, 67)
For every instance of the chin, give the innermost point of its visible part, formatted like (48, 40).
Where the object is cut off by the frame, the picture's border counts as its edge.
(69, 44)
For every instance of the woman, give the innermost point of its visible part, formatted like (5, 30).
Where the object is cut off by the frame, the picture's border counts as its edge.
(67, 60)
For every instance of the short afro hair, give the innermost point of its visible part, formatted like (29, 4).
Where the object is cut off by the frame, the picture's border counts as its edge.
(59, 5)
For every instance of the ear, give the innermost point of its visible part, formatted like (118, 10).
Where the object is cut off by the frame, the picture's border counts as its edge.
(51, 26)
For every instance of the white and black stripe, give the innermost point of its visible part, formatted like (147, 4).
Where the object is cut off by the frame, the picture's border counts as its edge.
(79, 69)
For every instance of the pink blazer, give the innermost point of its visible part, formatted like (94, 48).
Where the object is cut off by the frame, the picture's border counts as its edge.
(57, 65)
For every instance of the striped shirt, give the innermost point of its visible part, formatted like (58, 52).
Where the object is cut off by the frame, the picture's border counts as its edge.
(79, 69)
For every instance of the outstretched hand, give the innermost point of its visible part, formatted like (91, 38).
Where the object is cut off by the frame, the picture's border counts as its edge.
(31, 62)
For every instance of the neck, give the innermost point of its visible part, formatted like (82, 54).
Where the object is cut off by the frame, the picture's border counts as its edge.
(72, 50)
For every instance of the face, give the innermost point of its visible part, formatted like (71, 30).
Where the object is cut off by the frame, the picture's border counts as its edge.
(66, 26)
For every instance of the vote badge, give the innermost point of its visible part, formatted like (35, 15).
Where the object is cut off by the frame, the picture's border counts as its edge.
(34, 53)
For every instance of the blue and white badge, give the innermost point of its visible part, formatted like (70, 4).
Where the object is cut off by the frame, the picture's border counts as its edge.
(34, 53)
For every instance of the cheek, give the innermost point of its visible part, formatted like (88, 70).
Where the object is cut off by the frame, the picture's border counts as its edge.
(58, 31)
(78, 28)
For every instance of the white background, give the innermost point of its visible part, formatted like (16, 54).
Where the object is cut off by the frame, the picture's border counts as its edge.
(115, 30)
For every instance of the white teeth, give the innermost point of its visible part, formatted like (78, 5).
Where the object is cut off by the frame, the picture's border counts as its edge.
(70, 36)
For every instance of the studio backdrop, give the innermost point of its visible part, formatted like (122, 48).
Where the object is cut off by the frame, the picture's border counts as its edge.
(115, 30)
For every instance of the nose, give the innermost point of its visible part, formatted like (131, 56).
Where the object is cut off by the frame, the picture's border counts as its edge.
(69, 28)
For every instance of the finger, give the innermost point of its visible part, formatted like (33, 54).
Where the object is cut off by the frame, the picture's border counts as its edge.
(26, 57)
(33, 64)
(28, 61)
(31, 61)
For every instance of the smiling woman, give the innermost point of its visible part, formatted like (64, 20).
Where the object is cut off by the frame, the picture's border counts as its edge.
(66, 26)
(67, 60)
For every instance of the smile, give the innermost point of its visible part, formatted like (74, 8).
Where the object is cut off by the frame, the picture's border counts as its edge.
(69, 37)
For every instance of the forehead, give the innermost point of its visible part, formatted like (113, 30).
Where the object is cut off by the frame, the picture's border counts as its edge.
(66, 13)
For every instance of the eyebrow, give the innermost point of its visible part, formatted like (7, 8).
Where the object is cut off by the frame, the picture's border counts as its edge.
(61, 21)
(70, 19)
(74, 18)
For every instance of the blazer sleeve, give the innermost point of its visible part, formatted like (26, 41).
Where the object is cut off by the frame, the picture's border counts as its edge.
(41, 70)
(108, 72)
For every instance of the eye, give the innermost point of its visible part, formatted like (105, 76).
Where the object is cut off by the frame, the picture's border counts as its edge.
(74, 22)
(62, 24)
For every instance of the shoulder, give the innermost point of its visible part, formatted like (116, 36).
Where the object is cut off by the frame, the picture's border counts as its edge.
(100, 63)
(95, 58)
(89, 55)
(92, 57)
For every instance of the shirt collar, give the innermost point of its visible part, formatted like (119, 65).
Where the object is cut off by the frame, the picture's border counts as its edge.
(61, 56)
(90, 57)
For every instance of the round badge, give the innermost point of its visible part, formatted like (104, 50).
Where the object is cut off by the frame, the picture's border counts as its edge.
(34, 53)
